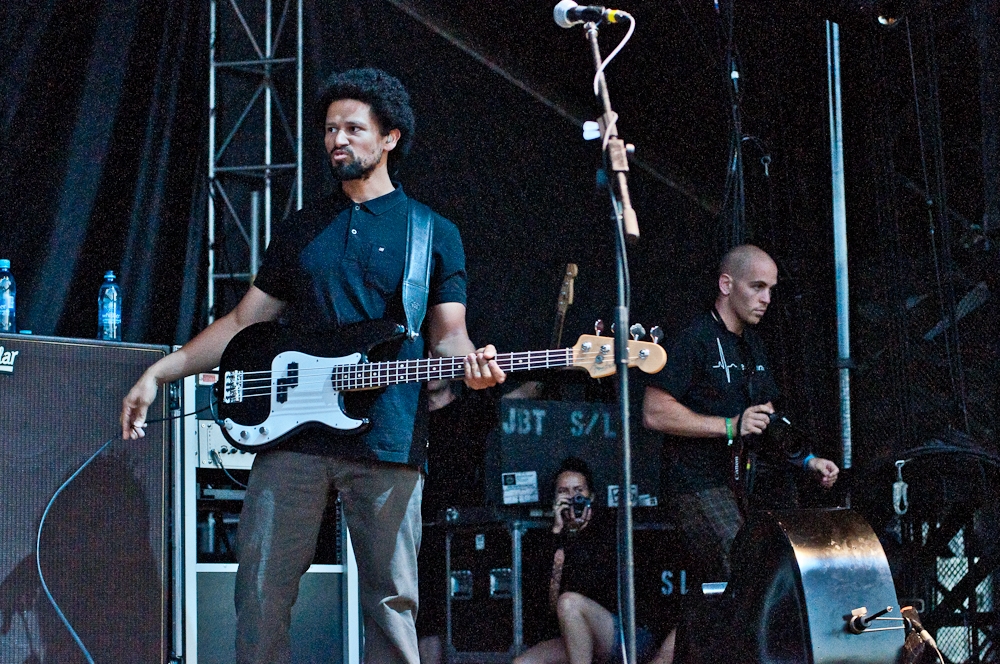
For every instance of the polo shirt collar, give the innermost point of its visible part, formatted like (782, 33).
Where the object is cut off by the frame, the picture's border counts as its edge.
(380, 205)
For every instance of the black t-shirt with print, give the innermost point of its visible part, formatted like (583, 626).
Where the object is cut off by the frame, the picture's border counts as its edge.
(713, 372)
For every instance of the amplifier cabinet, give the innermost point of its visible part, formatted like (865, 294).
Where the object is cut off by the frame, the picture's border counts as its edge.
(104, 545)
(479, 608)
(535, 436)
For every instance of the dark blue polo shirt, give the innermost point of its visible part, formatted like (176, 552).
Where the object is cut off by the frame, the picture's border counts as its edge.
(336, 263)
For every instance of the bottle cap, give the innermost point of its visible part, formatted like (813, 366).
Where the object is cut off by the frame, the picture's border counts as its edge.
(110, 274)
(4, 264)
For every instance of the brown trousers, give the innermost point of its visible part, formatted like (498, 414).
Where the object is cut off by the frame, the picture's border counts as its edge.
(279, 526)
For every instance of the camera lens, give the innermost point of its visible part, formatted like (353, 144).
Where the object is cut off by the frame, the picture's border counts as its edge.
(580, 503)
(781, 439)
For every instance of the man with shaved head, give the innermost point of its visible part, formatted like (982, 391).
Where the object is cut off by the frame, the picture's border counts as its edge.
(715, 394)
(716, 389)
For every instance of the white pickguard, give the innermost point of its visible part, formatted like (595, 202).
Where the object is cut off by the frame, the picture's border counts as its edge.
(311, 399)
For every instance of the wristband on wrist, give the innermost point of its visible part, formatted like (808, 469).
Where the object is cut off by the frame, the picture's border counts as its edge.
(805, 462)
(730, 434)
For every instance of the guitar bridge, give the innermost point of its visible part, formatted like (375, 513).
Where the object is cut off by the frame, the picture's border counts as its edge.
(233, 387)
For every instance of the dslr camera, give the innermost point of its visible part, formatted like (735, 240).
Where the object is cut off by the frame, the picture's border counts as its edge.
(781, 440)
(578, 505)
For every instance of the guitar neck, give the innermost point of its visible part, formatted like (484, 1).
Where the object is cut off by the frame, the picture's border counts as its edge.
(378, 374)
(557, 329)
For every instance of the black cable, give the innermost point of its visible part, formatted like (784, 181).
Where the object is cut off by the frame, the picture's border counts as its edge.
(945, 294)
(213, 407)
(899, 369)
(733, 72)
(694, 30)
(732, 217)
(218, 460)
(38, 553)
(41, 525)
(942, 206)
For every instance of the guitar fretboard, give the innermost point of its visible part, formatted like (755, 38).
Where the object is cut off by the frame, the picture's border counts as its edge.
(379, 374)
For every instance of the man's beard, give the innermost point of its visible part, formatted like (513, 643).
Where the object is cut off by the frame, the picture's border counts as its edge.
(354, 169)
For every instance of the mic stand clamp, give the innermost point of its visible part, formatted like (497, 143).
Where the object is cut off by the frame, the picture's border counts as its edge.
(859, 620)
(615, 150)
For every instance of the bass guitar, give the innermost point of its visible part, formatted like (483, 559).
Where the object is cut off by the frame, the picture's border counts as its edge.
(274, 382)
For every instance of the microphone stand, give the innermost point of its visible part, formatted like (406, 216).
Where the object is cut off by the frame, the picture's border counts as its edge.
(624, 219)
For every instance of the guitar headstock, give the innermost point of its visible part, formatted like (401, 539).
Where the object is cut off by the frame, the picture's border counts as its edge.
(597, 355)
(566, 290)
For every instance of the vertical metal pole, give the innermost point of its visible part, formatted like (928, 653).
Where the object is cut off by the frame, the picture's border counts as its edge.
(839, 236)
(352, 601)
(298, 119)
(448, 648)
(189, 463)
(254, 233)
(626, 563)
(211, 159)
(517, 606)
(177, 521)
(269, 54)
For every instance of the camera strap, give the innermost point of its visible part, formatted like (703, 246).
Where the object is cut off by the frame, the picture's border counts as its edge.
(740, 457)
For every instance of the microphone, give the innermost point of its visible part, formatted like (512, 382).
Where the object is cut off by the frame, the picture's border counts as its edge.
(910, 614)
(568, 13)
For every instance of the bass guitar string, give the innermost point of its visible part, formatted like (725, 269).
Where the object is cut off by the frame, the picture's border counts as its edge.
(502, 359)
(430, 368)
(413, 372)
(509, 362)
(365, 378)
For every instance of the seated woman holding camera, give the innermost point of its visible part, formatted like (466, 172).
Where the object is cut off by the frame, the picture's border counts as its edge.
(583, 583)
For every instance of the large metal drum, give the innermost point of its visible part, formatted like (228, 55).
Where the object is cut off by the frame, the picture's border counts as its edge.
(796, 577)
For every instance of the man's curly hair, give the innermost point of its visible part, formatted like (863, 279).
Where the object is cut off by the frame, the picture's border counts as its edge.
(389, 101)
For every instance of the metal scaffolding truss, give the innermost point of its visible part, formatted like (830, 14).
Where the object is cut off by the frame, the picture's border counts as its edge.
(957, 583)
(254, 136)
(947, 556)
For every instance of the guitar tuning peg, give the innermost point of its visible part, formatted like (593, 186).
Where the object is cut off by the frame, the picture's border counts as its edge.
(656, 334)
(637, 331)
(598, 327)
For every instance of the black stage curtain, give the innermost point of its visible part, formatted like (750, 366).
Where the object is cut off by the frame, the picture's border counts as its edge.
(102, 126)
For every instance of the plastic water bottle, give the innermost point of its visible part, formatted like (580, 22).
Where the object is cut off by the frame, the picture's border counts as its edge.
(109, 309)
(8, 297)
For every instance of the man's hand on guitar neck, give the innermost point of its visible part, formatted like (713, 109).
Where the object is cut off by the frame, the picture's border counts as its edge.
(448, 337)
(481, 370)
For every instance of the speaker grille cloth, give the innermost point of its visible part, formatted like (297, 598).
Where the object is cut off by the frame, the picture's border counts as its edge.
(103, 547)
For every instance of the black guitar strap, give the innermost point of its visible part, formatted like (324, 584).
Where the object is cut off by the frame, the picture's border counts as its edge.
(417, 271)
